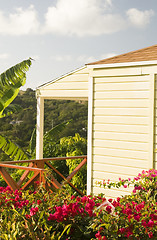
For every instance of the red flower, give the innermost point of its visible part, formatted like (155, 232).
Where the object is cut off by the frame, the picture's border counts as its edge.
(98, 235)
(150, 235)
(39, 202)
(109, 209)
(28, 216)
(150, 223)
(33, 211)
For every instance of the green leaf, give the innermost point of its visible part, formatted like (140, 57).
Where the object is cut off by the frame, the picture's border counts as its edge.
(11, 81)
(32, 143)
(12, 108)
(54, 133)
(65, 229)
(12, 150)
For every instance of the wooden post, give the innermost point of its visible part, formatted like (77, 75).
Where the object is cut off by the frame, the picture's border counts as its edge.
(40, 128)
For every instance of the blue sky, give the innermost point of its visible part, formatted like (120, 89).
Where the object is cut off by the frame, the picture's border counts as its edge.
(62, 35)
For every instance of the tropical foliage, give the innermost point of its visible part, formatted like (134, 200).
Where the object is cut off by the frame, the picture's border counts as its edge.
(12, 149)
(132, 216)
(69, 146)
(10, 82)
(48, 215)
(19, 127)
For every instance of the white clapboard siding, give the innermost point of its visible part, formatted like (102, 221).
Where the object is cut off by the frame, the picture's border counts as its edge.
(122, 120)
(71, 86)
(133, 103)
(115, 169)
(126, 71)
(114, 111)
(155, 125)
(62, 94)
(135, 71)
(121, 153)
(122, 79)
(149, 69)
(113, 176)
(68, 86)
(129, 86)
(121, 128)
(103, 143)
(112, 193)
(121, 124)
(120, 161)
(109, 135)
(121, 95)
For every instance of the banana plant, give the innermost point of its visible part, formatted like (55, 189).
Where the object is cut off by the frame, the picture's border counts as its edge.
(17, 153)
(12, 149)
(53, 135)
(10, 82)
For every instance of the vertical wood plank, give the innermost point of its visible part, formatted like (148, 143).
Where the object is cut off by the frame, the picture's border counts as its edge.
(90, 136)
(40, 127)
(152, 112)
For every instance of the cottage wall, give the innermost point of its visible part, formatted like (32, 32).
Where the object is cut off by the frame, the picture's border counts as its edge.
(73, 86)
(122, 124)
(155, 124)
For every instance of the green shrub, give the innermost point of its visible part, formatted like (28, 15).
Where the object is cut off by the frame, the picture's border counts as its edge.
(132, 216)
(48, 215)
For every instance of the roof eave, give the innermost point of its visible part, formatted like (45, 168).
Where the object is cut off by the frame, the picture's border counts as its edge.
(58, 78)
(124, 64)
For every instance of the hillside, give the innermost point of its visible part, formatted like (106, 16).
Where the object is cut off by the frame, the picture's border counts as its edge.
(19, 126)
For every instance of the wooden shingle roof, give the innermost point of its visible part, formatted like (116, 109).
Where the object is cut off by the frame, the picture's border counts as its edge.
(144, 54)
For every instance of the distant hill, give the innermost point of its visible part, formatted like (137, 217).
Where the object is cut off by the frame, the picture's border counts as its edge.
(19, 126)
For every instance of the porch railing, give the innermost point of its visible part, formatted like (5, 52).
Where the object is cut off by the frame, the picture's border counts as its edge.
(37, 166)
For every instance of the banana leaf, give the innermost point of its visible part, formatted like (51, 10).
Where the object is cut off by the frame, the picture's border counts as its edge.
(10, 82)
(12, 149)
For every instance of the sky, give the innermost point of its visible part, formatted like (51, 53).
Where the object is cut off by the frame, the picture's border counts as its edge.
(63, 35)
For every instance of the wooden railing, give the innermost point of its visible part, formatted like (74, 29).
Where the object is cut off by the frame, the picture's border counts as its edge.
(37, 166)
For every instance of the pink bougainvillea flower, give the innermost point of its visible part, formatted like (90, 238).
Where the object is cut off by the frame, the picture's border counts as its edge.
(39, 202)
(150, 235)
(33, 211)
(98, 235)
(109, 209)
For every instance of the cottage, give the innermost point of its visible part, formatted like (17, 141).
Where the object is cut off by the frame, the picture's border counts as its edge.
(121, 94)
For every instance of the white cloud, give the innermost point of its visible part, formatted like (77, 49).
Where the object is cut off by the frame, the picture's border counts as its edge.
(82, 18)
(35, 57)
(139, 18)
(108, 55)
(4, 55)
(19, 23)
(86, 59)
(61, 58)
(73, 17)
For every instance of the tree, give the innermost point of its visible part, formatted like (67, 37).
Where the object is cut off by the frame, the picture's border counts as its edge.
(68, 146)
